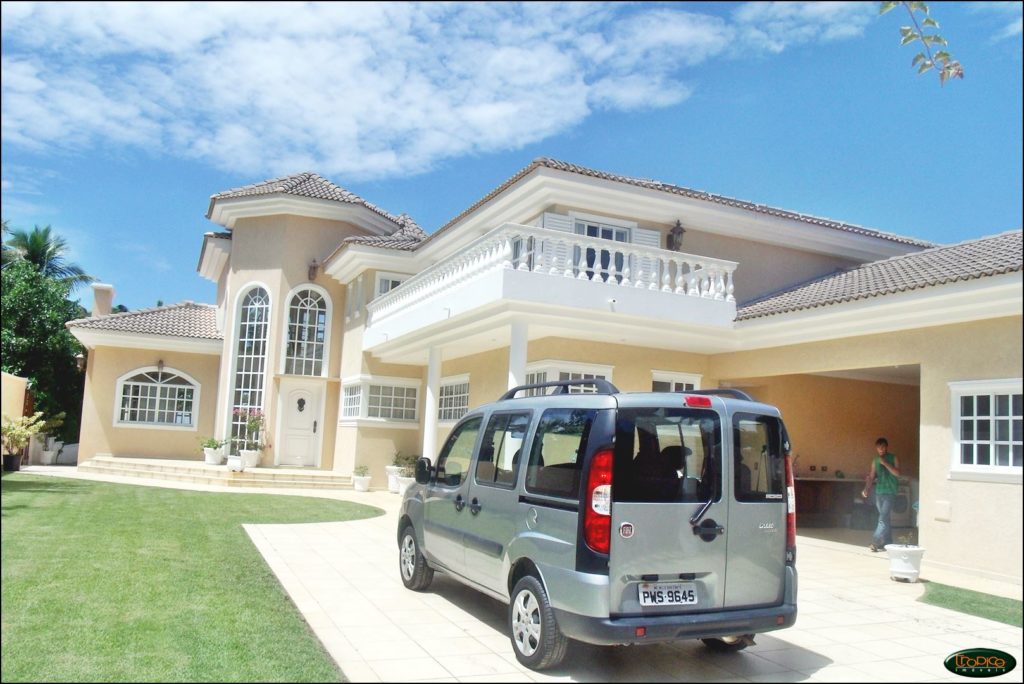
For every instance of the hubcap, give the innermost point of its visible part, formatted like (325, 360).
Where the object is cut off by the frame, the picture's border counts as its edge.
(526, 623)
(408, 557)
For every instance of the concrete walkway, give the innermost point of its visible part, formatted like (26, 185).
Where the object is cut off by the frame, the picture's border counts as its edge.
(854, 624)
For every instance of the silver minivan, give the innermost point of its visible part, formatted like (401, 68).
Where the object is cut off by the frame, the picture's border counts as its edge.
(612, 518)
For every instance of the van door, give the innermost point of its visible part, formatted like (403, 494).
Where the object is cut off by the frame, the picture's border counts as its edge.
(667, 472)
(494, 499)
(757, 518)
(446, 498)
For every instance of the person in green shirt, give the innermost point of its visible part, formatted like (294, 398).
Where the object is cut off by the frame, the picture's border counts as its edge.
(884, 474)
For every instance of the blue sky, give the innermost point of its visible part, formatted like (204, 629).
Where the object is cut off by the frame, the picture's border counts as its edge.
(119, 121)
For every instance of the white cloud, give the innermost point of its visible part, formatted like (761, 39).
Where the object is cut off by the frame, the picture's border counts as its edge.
(365, 89)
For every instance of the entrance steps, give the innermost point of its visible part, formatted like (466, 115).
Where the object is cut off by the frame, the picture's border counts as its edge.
(199, 472)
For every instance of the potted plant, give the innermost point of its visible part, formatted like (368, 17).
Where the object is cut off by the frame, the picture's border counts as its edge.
(361, 478)
(16, 434)
(394, 471)
(253, 437)
(904, 559)
(407, 463)
(53, 445)
(213, 450)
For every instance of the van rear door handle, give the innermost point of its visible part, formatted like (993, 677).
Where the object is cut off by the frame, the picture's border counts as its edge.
(474, 506)
(460, 503)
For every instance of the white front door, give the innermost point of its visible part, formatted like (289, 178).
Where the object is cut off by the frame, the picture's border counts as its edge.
(301, 409)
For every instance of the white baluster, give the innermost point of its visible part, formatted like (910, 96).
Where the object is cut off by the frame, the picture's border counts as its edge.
(729, 287)
(506, 252)
(665, 275)
(525, 253)
(693, 288)
(680, 289)
(570, 257)
(626, 271)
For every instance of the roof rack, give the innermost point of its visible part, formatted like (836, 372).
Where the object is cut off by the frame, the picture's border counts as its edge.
(600, 387)
(724, 392)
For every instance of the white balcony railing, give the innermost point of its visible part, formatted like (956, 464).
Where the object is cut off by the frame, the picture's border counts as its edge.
(566, 255)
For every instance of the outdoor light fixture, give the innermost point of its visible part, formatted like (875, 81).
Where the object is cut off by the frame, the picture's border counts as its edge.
(80, 361)
(313, 268)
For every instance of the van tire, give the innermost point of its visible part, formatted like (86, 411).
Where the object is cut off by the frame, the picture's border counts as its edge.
(722, 646)
(412, 566)
(536, 639)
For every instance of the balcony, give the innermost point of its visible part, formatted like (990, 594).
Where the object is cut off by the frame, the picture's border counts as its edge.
(547, 272)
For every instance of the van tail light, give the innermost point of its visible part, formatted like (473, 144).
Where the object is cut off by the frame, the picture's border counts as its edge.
(597, 517)
(790, 512)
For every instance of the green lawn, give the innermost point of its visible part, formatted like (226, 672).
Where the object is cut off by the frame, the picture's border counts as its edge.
(974, 603)
(112, 582)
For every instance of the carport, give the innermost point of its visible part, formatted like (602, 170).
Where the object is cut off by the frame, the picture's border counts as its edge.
(834, 418)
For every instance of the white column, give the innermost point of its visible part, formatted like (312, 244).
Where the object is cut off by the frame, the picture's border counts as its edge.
(430, 403)
(517, 354)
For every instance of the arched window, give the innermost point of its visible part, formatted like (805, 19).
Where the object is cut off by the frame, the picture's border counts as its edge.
(307, 330)
(157, 397)
(250, 360)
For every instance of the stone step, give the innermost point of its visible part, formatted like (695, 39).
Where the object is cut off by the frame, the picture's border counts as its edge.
(213, 475)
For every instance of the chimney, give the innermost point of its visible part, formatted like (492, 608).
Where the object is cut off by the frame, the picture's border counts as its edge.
(102, 299)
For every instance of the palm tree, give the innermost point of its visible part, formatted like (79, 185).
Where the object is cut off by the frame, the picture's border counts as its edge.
(46, 251)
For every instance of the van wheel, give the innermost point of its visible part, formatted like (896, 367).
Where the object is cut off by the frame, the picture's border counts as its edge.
(416, 574)
(729, 644)
(536, 638)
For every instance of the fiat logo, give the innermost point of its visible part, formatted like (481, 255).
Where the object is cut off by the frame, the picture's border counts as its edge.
(626, 530)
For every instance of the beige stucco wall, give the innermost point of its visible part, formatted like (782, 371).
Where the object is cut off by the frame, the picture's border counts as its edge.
(275, 252)
(12, 395)
(844, 439)
(99, 434)
(983, 534)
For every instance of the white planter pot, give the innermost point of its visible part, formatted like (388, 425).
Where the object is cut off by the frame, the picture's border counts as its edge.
(250, 457)
(393, 472)
(904, 561)
(361, 483)
(236, 464)
(213, 456)
(48, 456)
(404, 483)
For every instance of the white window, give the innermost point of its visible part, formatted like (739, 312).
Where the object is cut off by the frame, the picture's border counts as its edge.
(386, 282)
(987, 424)
(351, 400)
(306, 335)
(453, 399)
(551, 370)
(389, 401)
(250, 361)
(157, 397)
(375, 401)
(666, 381)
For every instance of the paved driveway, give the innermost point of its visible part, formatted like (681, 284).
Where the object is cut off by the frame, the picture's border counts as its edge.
(854, 625)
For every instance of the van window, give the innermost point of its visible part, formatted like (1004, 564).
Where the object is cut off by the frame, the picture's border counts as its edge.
(453, 463)
(501, 449)
(557, 454)
(760, 469)
(667, 455)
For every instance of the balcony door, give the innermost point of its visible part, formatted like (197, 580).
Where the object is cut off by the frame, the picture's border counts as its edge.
(605, 263)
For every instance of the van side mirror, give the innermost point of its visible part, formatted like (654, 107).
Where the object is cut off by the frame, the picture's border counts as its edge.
(423, 470)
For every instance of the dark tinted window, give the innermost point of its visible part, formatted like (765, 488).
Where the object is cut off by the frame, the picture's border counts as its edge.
(759, 470)
(501, 449)
(558, 450)
(667, 455)
(453, 463)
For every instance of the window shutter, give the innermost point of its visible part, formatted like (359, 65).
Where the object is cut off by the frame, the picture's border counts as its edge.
(556, 256)
(647, 269)
(647, 238)
(557, 222)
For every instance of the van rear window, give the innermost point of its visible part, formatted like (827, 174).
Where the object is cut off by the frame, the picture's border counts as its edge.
(760, 468)
(667, 455)
(558, 450)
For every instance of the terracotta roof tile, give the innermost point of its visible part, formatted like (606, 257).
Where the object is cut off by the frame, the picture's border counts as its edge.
(187, 319)
(684, 192)
(406, 238)
(307, 184)
(969, 260)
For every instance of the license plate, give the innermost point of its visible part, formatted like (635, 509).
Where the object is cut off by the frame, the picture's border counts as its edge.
(667, 594)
